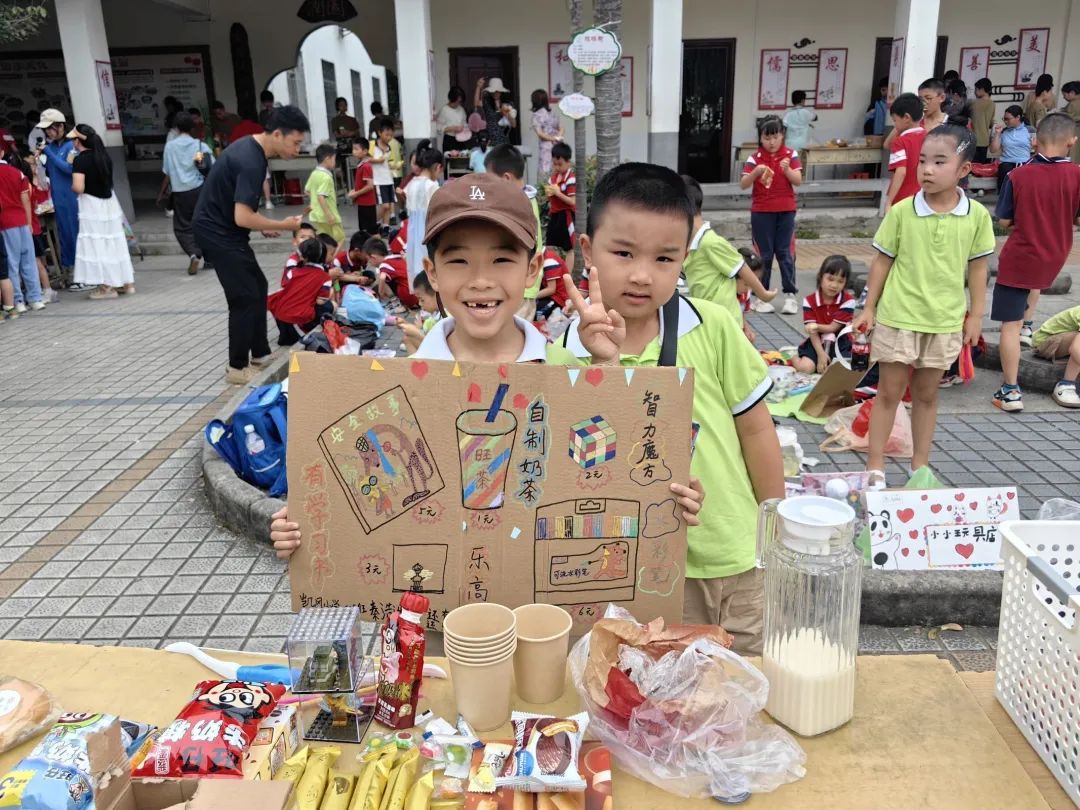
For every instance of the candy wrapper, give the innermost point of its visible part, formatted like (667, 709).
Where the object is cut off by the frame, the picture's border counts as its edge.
(211, 734)
(545, 753)
(497, 762)
(402, 666)
(312, 785)
(339, 791)
(26, 709)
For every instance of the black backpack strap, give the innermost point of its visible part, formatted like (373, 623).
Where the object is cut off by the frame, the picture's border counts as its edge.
(670, 346)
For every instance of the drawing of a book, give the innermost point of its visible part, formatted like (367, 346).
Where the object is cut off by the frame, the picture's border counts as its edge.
(381, 459)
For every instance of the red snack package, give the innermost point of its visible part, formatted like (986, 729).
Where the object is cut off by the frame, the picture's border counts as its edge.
(402, 666)
(211, 734)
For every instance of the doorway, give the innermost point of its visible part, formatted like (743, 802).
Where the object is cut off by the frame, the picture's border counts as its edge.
(883, 53)
(708, 86)
(468, 65)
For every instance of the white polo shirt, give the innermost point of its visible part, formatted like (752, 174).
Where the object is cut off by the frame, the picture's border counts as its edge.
(435, 346)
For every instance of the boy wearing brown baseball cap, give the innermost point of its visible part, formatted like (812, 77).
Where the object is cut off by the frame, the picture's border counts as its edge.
(482, 255)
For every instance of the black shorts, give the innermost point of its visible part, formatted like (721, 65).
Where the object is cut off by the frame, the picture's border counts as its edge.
(560, 230)
(807, 350)
(41, 246)
(386, 194)
(366, 219)
(1009, 303)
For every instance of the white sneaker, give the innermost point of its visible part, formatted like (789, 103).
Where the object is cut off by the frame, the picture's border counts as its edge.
(168, 212)
(269, 205)
(764, 307)
(1026, 333)
(1065, 394)
(51, 296)
(37, 305)
(20, 308)
(791, 306)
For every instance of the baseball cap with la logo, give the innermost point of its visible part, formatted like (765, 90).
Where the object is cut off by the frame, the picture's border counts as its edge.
(484, 197)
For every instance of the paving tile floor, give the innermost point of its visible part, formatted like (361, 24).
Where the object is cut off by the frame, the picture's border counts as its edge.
(87, 389)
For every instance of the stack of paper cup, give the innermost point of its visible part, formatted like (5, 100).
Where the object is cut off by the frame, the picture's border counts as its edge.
(480, 640)
(543, 633)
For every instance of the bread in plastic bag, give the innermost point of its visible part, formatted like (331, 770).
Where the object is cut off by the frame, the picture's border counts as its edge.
(681, 715)
(26, 710)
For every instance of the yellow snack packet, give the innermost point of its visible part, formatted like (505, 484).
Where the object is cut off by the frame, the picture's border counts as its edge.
(420, 796)
(294, 767)
(447, 804)
(309, 791)
(377, 779)
(394, 798)
(369, 761)
(339, 791)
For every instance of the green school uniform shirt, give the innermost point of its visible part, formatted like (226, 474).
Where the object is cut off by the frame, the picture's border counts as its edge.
(711, 268)
(924, 291)
(1067, 321)
(532, 291)
(321, 184)
(730, 378)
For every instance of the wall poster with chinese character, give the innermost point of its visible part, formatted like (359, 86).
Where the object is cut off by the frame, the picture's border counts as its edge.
(920, 530)
(110, 109)
(560, 71)
(974, 65)
(896, 68)
(831, 78)
(1032, 48)
(773, 81)
(501, 483)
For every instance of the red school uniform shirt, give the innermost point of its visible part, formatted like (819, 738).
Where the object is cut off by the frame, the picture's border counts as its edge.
(1042, 198)
(363, 177)
(37, 197)
(567, 184)
(295, 302)
(779, 197)
(905, 152)
(400, 243)
(816, 309)
(398, 278)
(12, 185)
(554, 270)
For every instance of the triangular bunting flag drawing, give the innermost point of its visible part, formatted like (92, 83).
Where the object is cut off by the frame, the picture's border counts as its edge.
(682, 375)
(376, 366)
(573, 373)
(294, 364)
(457, 370)
(629, 375)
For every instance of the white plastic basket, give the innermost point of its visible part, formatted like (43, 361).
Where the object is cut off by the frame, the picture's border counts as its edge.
(1038, 656)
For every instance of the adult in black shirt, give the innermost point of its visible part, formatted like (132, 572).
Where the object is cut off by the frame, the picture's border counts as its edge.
(227, 212)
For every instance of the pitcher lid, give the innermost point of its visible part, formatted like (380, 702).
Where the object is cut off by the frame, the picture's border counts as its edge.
(813, 517)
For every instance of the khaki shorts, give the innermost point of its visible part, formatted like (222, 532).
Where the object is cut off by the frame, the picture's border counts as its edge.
(915, 349)
(736, 603)
(1056, 346)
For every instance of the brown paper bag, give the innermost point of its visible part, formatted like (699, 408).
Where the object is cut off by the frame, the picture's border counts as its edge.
(835, 390)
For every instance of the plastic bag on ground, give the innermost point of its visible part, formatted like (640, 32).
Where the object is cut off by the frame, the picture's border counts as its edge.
(678, 709)
(1060, 509)
(844, 432)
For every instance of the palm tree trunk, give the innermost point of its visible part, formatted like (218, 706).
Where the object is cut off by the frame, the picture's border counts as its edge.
(609, 102)
(581, 197)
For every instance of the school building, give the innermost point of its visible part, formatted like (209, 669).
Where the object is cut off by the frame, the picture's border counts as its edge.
(696, 73)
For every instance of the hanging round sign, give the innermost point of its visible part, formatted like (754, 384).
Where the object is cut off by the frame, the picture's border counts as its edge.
(576, 106)
(594, 51)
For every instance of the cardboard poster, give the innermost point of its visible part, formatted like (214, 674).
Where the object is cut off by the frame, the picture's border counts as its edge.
(501, 483)
(918, 530)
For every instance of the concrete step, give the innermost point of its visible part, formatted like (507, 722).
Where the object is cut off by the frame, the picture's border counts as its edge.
(169, 247)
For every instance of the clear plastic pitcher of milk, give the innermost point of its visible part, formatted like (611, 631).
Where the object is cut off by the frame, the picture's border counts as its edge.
(813, 583)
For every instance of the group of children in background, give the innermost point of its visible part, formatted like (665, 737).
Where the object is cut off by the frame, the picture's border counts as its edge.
(483, 254)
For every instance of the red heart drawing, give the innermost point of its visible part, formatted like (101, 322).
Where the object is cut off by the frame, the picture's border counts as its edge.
(905, 551)
(474, 393)
(502, 372)
(905, 515)
(521, 402)
(922, 552)
(965, 550)
(913, 534)
(1010, 495)
(594, 376)
(959, 496)
(973, 505)
(419, 369)
(925, 497)
(935, 508)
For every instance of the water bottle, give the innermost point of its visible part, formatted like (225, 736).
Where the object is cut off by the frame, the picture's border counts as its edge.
(253, 441)
(860, 352)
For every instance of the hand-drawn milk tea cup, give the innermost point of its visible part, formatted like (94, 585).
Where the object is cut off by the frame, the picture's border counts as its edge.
(482, 691)
(479, 624)
(543, 633)
(485, 439)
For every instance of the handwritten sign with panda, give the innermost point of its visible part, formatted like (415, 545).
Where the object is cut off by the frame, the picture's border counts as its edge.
(919, 530)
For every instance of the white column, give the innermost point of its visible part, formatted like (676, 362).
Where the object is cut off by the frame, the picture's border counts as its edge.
(82, 36)
(415, 91)
(917, 24)
(1069, 71)
(665, 81)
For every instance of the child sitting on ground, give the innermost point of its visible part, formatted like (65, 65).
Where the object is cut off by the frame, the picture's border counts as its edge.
(354, 261)
(826, 311)
(482, 254)
(1060, 337)
(552, 295)
(640, 224)
(1040, 202)
(303, 233)
(429, 312)
(304, 298)
(916, 296)
(392, 277)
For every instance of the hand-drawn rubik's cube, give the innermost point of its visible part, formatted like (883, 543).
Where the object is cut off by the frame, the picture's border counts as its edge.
(592, 442)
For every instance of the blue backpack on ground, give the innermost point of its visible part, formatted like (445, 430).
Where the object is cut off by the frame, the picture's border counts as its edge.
(253, 442)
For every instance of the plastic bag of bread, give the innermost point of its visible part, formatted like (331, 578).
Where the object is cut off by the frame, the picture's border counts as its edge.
(26, 710)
